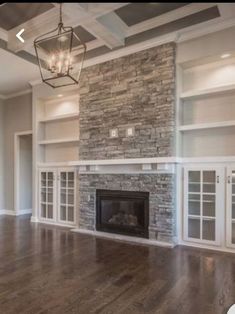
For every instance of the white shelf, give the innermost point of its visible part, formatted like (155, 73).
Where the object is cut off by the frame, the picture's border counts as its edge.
(58, 141)
(68, 116)
(201, 126)
(208, 91)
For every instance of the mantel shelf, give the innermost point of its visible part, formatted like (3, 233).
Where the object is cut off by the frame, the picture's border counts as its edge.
(68, 116)
(58, 141)
(201, 126)
(206, 92)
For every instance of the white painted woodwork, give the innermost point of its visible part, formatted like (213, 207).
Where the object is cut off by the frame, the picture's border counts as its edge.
(58, 128)
(66, 196)
(168, 17)
(211, 125)
(214, 75)
(109, 29)
(47, 195)
(203, 204)
(74, 14)
(59, 141)
(230, 203)
(207, 91)
(68, 116)
(206, 111)
(57, 196)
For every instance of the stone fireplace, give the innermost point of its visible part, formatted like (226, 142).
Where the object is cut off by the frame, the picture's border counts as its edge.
(160, 186)
(134, 92)
(123, 212)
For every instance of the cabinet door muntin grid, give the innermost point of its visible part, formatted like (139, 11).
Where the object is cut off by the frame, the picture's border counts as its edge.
(201, 205)
(67, 191)
(47, 194)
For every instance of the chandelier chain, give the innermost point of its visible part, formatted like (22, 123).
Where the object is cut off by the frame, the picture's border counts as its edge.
(61, 13)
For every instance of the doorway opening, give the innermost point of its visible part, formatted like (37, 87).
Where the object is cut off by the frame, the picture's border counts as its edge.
(23, 173)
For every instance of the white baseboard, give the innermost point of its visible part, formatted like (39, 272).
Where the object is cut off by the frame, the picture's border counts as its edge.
(34, 219)
(7, 212)
(124, 238)
(51, 223)
(11, 212)
(24, 212)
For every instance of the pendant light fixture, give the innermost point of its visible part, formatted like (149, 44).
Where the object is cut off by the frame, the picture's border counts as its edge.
(60, 55)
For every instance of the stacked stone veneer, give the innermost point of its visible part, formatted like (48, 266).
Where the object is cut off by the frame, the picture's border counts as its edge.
(137, 90)
(161, 199)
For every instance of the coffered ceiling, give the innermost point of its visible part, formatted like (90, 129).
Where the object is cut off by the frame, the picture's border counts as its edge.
(106, 28)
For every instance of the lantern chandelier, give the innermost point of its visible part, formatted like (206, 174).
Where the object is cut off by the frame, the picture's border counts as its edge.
(60, 55)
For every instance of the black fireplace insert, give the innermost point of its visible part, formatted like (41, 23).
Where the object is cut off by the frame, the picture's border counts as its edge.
(122, 212)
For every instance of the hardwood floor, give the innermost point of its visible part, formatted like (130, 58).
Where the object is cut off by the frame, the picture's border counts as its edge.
(47, 269)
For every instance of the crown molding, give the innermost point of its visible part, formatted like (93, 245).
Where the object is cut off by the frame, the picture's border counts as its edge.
(157, 41)
(13, 95)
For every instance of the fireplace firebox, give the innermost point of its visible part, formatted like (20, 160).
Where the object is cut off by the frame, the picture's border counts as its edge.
(122, 212)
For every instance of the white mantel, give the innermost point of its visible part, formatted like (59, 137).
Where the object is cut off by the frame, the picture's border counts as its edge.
(129, 165)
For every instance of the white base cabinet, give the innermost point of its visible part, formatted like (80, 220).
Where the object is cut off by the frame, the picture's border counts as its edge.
(203, 207)
(230, 217)
(57, 196)
(209, 205)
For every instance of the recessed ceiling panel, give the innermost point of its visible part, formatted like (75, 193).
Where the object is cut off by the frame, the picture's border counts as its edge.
(134, 13)
(14, 14)
(83, 34)
(189, 20)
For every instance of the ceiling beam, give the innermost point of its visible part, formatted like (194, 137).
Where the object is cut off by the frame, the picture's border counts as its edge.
(109, 28)
(74, 14)
(3, 34)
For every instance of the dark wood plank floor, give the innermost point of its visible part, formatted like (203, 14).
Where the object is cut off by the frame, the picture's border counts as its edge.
(47, 269)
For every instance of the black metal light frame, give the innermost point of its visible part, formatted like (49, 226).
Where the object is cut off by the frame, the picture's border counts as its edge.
(61, 30)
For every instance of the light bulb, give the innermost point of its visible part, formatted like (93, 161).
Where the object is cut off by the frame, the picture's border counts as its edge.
(59, 67)
(225, 55)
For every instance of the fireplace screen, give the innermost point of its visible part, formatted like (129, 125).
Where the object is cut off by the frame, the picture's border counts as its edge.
(122, 212)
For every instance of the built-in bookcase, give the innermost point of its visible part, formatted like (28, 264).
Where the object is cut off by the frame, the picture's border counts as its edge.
(58, 129)
(206, 108)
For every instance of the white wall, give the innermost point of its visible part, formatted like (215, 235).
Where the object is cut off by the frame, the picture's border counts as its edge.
(25, 172)
(17, 118)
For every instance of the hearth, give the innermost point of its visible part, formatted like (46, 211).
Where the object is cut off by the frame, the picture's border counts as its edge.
(122, 212)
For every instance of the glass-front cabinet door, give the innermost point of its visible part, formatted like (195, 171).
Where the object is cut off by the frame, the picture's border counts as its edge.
(67, 192)
(230, 219)
(202, 206)
(47, 194)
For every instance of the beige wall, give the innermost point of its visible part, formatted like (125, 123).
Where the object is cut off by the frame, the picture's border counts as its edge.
(17, 118)
(2, 204)
(25, 172)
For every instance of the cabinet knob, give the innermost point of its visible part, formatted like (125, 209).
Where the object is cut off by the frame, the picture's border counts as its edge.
(217, 179)
(229, 179)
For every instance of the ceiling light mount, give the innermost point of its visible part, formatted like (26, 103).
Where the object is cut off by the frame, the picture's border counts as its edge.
(60, 55)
